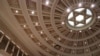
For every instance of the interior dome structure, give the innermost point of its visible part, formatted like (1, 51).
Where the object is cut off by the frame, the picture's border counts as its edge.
(52, 27)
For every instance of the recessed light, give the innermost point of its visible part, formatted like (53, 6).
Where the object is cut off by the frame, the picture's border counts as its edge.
(16, 11)
(47, 2)
(32, 12)
(68, 10)
(98, 17)
(46, 39)
(36, 24)
(71, 30)
(85, 42)
(80, 5)
(80, 31)
(62, 23)
(92, 5)
(59, 38)
(89, 27)
(41, 32)
(31, 35)
(39, 43)
(24, 26)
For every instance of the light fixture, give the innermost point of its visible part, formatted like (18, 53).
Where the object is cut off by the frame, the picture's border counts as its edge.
(85, 42)
(46, 39)
(80, 31)
(68, 10)
(59, 38)
(36, 23)
(62, 23)
(47, 2)
(32, 12)
(71, 30)
(89, 27)
(16, 11)
(92, 5)
(39, 43)
(87, 50)
(80, 5)
(98, 17)
(24, 26)
(31, 35)
(41, 32)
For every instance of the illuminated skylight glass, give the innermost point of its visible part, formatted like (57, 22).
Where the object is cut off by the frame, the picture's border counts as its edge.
(88, 12)
(79, 10)
(71, 23)
(88, 20)
(80, 25)
(70, 15)
(79, 18)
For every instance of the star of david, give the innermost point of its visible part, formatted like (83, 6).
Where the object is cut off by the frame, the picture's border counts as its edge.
(80, 17)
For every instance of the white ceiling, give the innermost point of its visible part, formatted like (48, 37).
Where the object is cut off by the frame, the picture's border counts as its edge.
(37, 24)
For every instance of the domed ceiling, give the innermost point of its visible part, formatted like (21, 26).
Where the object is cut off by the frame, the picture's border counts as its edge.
(56, 27)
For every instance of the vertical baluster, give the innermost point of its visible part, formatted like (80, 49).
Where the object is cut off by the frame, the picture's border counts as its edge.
(22, 54)
(7, 46)
(18, 52)
(13, 50)
(1, 38)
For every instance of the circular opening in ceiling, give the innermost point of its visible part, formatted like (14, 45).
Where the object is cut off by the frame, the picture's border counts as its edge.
(80, 19)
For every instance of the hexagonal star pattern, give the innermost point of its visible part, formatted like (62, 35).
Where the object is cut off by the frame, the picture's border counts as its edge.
(80, 17)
